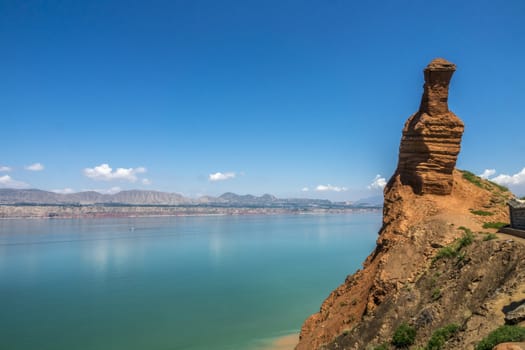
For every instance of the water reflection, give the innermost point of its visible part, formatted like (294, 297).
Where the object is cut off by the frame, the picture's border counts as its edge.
(98, 256)
(160, 285)
(216, 247)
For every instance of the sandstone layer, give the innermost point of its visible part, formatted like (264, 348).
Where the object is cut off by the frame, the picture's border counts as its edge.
(432, 136)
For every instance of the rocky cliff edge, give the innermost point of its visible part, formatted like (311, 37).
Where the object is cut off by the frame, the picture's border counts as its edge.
(436, 262)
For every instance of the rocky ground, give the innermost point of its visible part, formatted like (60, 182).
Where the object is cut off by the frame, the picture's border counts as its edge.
(405, 281)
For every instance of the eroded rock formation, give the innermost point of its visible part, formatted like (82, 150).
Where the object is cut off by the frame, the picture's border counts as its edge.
(432, 136)
(401, 280)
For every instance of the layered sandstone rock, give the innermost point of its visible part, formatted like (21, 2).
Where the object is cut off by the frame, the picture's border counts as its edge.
(432, 136)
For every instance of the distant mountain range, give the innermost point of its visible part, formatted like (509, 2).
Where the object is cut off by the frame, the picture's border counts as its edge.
(139, 197)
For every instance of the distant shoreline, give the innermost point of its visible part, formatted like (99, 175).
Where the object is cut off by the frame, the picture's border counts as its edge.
(49, 211)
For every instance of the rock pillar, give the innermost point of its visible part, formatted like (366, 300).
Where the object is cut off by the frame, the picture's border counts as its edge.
(431, 138)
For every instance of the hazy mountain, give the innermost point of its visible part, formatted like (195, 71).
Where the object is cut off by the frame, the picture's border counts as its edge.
(12, 196)
(139, 197)
(149, 197)
(374, 201)
(248, 199)
(9, 196)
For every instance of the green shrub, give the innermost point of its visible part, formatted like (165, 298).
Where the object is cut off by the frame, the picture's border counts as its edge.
(465, 229)
(501, 335)
(471, 177)
(404, 336)
(453, 249)
(490, 236)
(465, 240)
(496, 225)
(481, 212)
(441, 336)
(446, 252)
(461, 256)
(383, 346)
(436, 294)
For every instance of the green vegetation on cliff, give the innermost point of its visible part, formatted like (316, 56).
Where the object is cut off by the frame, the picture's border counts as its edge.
(441, 336)
(502, 334)
(482, 212)
(496, 225)
(482, 183)
(453, 250)
(404, 336)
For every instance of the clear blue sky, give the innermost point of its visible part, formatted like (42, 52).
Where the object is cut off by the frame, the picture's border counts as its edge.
(276, 96)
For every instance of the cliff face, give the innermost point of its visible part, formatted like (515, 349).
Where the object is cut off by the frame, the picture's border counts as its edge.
(428, 205)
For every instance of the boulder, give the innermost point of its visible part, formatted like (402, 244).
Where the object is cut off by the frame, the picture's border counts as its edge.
(516, 315)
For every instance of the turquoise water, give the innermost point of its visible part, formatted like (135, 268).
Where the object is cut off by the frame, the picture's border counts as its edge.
(171, 283)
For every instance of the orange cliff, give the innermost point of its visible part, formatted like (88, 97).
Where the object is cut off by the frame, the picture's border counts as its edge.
(426, 201)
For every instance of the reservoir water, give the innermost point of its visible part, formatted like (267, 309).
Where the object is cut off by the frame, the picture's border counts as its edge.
(196, 283)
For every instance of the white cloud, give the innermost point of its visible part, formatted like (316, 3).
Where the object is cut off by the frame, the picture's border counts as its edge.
(66, 190)
(35, 167)
(305, 189)
(5, 169)
(378, 183)
(7, 181)
(487, 173)
(104, 172)
(146, 181)
(326, 188)
(515, 182)
(221, 176)
(516, 179)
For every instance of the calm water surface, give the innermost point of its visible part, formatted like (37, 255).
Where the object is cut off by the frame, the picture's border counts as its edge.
(171, 283)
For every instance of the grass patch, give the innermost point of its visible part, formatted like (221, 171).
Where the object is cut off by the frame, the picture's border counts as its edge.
(490, 237)
(478, 181)
(465, 240)
(500, 187)
(404, 336)
(482, 212)
(501, 335)
(471, 177)
(452, 250)
(383, 346)
(441, 336)
(446, 252)
(436, 294)
(496, 225)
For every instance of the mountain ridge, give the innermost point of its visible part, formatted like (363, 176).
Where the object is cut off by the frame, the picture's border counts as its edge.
(149, 197)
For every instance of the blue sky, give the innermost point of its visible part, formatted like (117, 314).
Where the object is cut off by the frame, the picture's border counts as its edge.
(204, 97)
